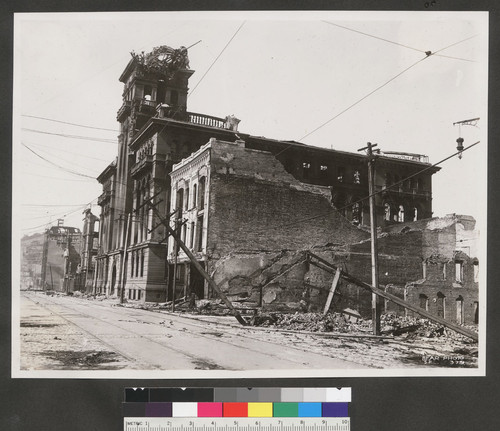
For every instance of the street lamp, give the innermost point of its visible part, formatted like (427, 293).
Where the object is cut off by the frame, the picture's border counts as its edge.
(460, 140)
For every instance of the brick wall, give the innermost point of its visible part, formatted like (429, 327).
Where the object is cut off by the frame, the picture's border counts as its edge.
(255, 204)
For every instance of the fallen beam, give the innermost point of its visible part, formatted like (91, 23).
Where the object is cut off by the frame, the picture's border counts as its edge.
(326, 266)
(335, 282)
(197, 265)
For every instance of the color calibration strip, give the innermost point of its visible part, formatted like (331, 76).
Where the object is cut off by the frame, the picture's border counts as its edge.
(237, 403)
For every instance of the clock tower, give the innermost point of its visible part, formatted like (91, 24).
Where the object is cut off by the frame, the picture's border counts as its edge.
(151, 80)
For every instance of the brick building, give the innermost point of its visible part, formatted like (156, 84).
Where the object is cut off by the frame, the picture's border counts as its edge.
(158, 132)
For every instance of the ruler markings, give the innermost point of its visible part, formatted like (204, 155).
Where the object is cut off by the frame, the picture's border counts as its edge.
(230, 424)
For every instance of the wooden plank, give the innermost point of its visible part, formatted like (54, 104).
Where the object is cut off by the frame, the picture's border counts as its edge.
(335, 282)
(332, 268)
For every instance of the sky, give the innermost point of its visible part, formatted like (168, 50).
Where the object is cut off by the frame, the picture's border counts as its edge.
(329, 79)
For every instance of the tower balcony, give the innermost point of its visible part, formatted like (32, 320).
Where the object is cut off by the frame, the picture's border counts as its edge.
(124, 110)
(104, 197)
(142, 165)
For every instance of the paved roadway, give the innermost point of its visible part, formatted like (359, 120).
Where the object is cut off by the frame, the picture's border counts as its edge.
(164, 341)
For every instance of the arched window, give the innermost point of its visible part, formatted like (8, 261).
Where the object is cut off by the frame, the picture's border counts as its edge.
(401, 214)
(195, 197)
(357, 177)
(148, 91)
(357, 213)
(387, 212)
(179, 199)
(424, 301)
(441, 305)
(201, 193)
(460, 309)
(186, 199)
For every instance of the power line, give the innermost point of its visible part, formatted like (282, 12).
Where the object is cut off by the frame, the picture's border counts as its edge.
(453, 44)
(373, 36)
(360, 100)
(400, 44)
(223, 49)
(56, 165)
(72, 124)
(59, 179)
(88, 138)
(428, 54)
(66, 151)
(65, 214)
(73, 164)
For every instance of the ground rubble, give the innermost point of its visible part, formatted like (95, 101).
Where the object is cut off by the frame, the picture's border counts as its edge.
(405, 340)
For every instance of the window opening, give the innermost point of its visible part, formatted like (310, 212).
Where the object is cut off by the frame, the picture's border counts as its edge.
(357, 177)
(201, 193)
(459, 271)
(340, 174)
(476, 272)
(460, 310)
(387, 212)
(424, 302)
(306, 169)
(441, 305)
(401, 214)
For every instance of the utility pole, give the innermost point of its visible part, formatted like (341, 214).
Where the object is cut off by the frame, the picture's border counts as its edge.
(122, 292)
(176, 253)
(376, 306)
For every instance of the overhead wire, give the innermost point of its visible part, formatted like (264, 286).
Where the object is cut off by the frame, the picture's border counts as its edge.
(66, 151)
(363, 98)
(73, 164)
(373, 36)
(72, 124)
(56, 165)
(400, 44)
(217, 58)
(87, 138)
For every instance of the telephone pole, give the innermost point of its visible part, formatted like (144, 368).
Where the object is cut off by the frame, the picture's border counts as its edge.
(376, 306)
(124, 269)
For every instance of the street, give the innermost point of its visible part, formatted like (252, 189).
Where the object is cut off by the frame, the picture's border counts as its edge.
(66, 333)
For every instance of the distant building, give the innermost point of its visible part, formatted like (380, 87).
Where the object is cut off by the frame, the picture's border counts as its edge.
(31, 261)
(90, 244)
(61, 258)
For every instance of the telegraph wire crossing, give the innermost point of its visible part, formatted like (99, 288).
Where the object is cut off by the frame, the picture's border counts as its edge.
(397, 43)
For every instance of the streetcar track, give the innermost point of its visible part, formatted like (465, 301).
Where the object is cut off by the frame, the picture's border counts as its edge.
(180, 320)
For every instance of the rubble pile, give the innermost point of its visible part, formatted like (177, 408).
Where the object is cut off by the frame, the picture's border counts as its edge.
(412, 327)
(312, 322)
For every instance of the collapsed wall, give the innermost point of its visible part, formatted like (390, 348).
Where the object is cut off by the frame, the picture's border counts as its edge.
(284, 281)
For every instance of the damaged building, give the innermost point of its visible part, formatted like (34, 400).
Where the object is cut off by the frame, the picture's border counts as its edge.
(249, 207)
(61, 258)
